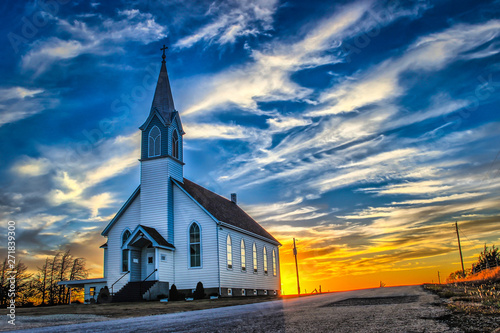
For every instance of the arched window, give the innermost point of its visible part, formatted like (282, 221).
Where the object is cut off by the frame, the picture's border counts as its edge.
(229, 248)
(175, 144)
(254, 258)
(264, 251)
(243, 256)
(274, 263)
(126, 234)
(154, 142)
(194, 245)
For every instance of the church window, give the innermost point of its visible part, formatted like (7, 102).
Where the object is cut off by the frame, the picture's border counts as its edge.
(229, 249)
(194, 245)
(243, 256)
(254, 258)
(126, 234)
(154, 142)
(264, 251)
(175, 144)
(274, 263)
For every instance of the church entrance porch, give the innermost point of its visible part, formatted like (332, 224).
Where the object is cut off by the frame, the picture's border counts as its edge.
(143, 260)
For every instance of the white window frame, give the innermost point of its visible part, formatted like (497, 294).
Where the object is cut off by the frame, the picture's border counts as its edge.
(125, 252)
(155, 139)
(189, 246)
(175, 145)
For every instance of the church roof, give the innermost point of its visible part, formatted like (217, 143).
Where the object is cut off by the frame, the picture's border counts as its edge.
(156, 236)
(224, 210)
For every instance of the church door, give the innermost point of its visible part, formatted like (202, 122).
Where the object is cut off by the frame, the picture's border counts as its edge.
(150, 264)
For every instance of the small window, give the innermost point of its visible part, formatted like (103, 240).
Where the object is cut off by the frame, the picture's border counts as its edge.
(163, 257)
(154, 142)
(92, 291)
(254, 258)
(229, 292)
(229, 250)
(265, 260)
(150, 260)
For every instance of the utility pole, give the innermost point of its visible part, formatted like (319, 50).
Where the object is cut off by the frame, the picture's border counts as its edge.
(460, 249)
(439, 278)
(296, 266)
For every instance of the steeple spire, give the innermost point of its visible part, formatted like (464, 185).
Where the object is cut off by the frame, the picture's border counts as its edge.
(163, 101)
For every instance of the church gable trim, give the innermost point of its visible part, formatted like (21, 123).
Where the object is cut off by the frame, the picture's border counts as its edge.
(151, 234)
(177, 120)
(121, 211)
(150, 118)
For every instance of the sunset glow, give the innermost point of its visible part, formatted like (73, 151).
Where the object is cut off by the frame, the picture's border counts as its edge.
(364, 129)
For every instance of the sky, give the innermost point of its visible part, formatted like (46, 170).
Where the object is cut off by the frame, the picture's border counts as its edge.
(364, 129)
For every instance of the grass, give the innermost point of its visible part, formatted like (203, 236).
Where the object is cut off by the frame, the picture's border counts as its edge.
(136, 309)
(472, 297)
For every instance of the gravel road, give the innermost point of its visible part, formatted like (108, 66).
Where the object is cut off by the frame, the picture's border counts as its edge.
(395, 309)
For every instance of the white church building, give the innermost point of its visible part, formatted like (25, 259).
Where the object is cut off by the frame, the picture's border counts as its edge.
(174, 231)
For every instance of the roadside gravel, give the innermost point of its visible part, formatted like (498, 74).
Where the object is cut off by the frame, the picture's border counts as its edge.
(384, 310)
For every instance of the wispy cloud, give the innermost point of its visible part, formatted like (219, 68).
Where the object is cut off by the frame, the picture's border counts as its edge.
(73, 175)
(85, 38)
(17, 103)
(231, 20)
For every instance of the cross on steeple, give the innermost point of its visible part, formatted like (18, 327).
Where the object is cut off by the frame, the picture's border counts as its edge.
(163, 49)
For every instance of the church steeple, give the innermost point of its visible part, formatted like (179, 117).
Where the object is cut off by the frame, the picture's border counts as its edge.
(162, 131)
(163, 101)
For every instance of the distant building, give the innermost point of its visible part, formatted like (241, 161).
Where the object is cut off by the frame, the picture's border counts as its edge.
(174, 231)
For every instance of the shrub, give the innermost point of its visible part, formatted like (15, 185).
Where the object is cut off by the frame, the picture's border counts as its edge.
(199, 293)
(174, 295)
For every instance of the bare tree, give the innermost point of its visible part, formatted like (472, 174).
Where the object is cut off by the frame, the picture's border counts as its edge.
(64, 268)
(54, 267)
(3, 291)
(78, 272)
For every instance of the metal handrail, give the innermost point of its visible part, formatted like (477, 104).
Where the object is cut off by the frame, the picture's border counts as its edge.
(117, 281)
(140, 284)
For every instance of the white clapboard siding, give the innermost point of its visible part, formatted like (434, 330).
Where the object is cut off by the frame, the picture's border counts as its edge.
(166, 269)
(185, 212)
(114, 257)
(235, 277)
(154, 194)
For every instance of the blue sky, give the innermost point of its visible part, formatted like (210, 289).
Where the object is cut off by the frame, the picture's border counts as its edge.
(363, 128)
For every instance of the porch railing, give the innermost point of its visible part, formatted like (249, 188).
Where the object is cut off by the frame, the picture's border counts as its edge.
(140, 285)
(121, 277)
